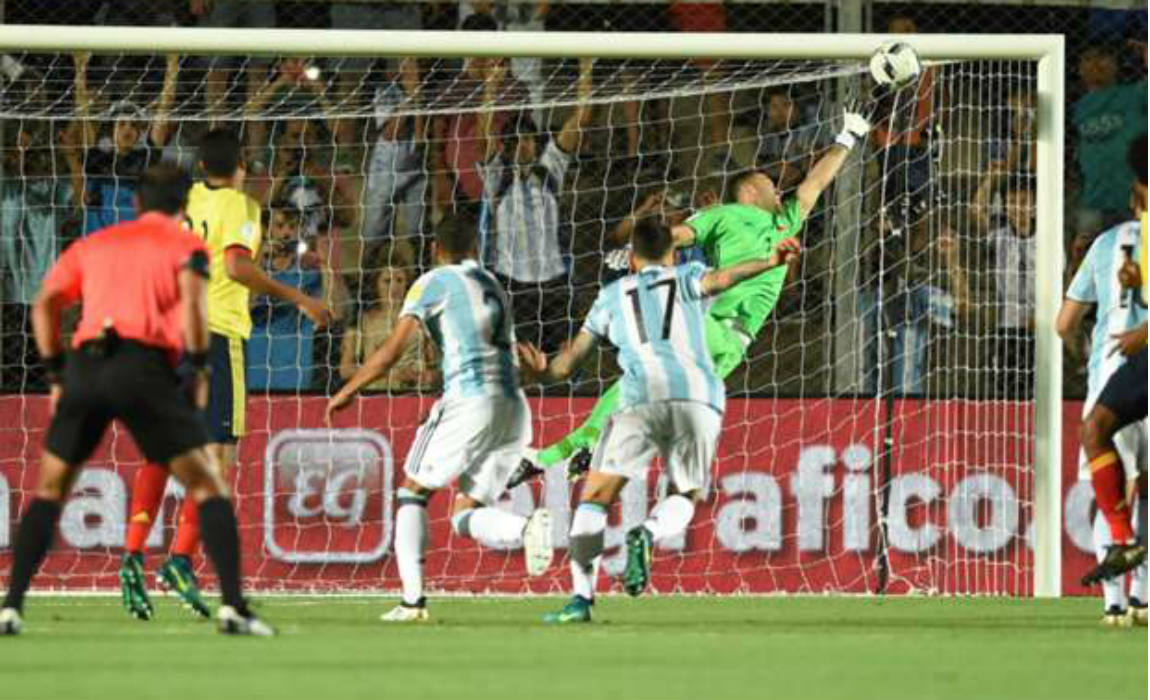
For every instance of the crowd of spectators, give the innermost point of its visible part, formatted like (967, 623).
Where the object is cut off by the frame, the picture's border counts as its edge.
(946, 249)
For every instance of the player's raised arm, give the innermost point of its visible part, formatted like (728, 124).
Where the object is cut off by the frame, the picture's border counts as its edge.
(719, 281)
(855, 128)
(240, 267)
(568, 137)
(378, 364)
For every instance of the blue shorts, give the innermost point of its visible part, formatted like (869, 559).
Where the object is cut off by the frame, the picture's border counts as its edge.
(227, 395)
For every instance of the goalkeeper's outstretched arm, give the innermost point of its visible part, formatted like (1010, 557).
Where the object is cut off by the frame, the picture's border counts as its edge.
(855, 128)
(719, 281)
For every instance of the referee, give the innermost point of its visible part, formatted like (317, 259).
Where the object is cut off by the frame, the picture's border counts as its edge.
(137, 318)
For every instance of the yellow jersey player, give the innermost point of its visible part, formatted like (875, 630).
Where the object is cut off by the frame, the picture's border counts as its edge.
(228, 220)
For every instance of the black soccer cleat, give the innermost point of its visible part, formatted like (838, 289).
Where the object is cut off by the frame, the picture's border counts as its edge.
(579, 464)
(1119, 559)
(526, 471)
(242, 623)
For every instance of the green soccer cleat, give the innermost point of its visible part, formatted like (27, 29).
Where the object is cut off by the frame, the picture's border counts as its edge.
(133, 593)
(640, 550)
(177, 576)
(578, 610)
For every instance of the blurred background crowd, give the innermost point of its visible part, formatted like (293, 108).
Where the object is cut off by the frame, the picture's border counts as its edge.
(934, 294)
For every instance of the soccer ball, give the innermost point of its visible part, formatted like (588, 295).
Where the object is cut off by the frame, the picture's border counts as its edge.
(895, 64)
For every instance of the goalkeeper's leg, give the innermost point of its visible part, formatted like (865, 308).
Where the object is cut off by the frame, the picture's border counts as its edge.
(586, 435)
(727, 348)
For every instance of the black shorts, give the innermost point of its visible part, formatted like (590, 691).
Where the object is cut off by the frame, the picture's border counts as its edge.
(135, 383)
(227, 395)
(1125, 392)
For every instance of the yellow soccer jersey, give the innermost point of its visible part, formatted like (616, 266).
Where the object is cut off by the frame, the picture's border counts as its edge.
(225, 217)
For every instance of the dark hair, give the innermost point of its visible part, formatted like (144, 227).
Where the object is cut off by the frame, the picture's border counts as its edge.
(479, 22)
(455, 235)
(1136, 158)
(735, 181)
(651, 238)
(163, 188)
(220, 153)
(521, 126)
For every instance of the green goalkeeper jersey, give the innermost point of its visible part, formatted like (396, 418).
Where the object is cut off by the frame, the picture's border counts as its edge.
(734, 233)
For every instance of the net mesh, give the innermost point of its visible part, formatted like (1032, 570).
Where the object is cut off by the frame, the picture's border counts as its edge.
(879, 435)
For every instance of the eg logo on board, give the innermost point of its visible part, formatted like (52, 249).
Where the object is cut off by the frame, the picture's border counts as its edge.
(327, 496)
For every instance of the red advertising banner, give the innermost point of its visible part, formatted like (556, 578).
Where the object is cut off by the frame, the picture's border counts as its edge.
(795, 503)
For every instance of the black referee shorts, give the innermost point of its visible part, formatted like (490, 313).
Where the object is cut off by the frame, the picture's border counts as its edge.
(1125, 392)
(133, 382)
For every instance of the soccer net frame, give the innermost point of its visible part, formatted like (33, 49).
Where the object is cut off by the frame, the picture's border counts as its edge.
(1046, 51)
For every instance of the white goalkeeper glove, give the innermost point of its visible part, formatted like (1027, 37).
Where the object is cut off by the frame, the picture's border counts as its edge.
(855, 127)
(619, 259)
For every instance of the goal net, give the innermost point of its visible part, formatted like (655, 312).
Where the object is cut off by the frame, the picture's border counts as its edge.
(879, 435)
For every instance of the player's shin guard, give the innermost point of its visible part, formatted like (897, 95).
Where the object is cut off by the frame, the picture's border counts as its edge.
(1112, 593)
(491, 527)
(410, 543)
(33, 539)
(188, 531)
(222, 543)
(147, 494)
(1110, 494)
(586, 547)
(670, 517)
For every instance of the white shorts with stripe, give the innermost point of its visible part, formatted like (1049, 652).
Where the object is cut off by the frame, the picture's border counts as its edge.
(477, 440)
(684, 433)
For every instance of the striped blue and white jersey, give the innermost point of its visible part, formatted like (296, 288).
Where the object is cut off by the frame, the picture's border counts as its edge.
(468, 315)
(655, 319)
(1096, 282)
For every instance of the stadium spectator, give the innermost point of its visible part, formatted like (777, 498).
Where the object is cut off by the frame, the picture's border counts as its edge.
(232, 14)
(282, 348)
(37, 214)
(455, 146)
(114, 161)
(1107, 117)
(690, 16)
(299, 90)
(925, 289)
(523, 173)
(787, 146)
(353, 71)
(904, 129)
(396, 185)
(1016, 147)
(1014, 257)
(415, 368)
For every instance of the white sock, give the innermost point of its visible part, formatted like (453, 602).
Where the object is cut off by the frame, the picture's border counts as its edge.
(588, 525)
(670, 517)
(410, 543)
(1112, 594)
(1138, 576)
(491, 527)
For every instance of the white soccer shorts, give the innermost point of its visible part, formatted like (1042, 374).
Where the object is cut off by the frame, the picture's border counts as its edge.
(477, 440)
(684, 433)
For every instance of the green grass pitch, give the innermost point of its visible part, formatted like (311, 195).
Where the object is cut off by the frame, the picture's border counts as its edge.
(655, 647)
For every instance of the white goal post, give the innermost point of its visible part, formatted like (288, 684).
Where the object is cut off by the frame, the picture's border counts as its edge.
(1047, 51)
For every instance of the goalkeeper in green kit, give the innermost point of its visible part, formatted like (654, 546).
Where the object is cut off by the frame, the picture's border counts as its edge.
(749, 227)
